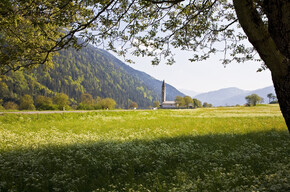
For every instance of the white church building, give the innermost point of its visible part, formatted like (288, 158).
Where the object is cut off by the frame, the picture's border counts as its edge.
(166, 104)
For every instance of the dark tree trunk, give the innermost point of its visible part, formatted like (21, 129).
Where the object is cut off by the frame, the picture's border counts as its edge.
(282, 88)
(278, 14)
(272, 42)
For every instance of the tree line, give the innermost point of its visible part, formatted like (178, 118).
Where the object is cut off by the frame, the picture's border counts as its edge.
(60, 101)
(254, 99)
(186, 102)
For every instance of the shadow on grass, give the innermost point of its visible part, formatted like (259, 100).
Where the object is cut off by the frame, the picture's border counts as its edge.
(254, 161)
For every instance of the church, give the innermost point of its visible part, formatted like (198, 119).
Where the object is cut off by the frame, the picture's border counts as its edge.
(166, 104)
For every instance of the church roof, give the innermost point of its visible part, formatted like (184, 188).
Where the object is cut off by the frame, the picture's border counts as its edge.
(168, 102)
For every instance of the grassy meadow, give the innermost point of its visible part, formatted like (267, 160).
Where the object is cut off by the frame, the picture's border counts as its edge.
(211, 149)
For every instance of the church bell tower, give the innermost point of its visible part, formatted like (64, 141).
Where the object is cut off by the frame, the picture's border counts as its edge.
(163, 97)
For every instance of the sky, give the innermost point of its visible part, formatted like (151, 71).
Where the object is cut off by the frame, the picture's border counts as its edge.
(205, 76)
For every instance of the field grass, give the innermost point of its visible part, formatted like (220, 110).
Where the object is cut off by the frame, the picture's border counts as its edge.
(213, 149)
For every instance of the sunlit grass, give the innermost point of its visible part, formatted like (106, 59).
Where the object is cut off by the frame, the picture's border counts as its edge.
(227, 149)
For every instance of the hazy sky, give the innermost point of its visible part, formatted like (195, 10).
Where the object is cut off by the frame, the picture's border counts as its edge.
(207, 75)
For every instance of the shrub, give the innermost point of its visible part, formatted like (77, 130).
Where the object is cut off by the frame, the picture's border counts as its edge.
(1, 102)
(107, 103)
(61, 100)
(83, 106)
(156, 104)
(26, 103)
(44, 103)
(10, 105)
(133, 105)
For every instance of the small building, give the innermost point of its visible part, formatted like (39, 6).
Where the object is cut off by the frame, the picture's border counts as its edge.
(166, 104)
(190, 106)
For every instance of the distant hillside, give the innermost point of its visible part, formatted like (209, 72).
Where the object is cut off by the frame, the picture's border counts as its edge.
(89, 70)
(233, 96)
(152, 83)
(240, 99)
(189, 92)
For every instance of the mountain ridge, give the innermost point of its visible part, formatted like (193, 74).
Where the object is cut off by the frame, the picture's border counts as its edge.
(232, 95)
(190, 93)
(150, 81)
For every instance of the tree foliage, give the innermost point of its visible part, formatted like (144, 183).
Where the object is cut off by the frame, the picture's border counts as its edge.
(26, 103)
(196, 103)
(180, 102)
(271, 97)
(34, 30)
(10, 105)
(61, 100)
(205, 104)
(188, 101)
(253, 99)
(156, 104)
(1, 103)
(107, 103)
(86, 102)
(44, 103)
(87, 99)
(133, 105)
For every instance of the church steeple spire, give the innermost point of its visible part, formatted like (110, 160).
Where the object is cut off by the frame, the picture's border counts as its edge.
(163, 97)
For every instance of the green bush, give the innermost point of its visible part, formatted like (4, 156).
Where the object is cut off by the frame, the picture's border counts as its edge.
(61, 100)
(10, 105)
(26, 103)
(82, 106)
(107, 103)
(44, 103)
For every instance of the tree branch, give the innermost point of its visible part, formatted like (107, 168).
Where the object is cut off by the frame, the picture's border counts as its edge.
(259, 36)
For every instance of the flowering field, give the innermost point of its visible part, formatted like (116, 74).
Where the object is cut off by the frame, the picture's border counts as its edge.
(212, 149)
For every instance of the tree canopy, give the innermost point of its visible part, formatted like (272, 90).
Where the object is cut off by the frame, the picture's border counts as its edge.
(271, 96)
(253, 99)
(180, 102)
(33, 31)
(26, 103)
(61, 100)
(196, 103)
(156, 104)
(188, 100)
(107, 103)
(133, 105)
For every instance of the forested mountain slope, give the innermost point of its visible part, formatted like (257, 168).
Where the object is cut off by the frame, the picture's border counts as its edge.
(152, 83)
(89, 70)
